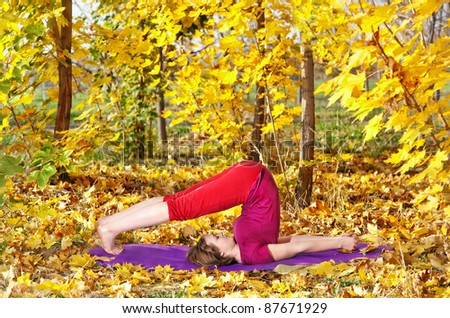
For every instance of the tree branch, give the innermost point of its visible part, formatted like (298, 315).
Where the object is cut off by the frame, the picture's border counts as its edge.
(11, 109)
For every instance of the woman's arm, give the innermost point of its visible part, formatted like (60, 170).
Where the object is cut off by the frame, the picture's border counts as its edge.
(288, 247)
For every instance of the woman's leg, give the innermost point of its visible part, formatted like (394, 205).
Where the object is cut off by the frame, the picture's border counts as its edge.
(144, 214)
(228, 189)
(122, 215)
(217, 193)
(199, 184)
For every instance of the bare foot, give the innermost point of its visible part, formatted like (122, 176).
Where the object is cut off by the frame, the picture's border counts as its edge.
(349, 241)
(107, 238)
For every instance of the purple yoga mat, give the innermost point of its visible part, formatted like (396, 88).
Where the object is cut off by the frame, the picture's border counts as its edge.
(152, 255)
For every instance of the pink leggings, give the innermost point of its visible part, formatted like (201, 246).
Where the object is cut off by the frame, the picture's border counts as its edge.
(220, 192)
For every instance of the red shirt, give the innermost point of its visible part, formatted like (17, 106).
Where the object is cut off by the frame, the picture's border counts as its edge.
(259, 223)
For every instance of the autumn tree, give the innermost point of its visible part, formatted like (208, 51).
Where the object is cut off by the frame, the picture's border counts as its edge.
(241, 75)
(306, 20)
(124, 52)
(29, 73)
(259, 117)
(23, 61)
(411, 70)
(141, 75)
(62, 33)
(304, 189)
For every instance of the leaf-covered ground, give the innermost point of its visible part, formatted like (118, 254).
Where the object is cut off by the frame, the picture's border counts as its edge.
(45, 236)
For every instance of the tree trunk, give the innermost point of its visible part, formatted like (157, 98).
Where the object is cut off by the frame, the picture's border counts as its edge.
(162, 129)
(139, 132)
(64, 48)
(304, 188)
(438, 25)
(259, 114)
(258, 121)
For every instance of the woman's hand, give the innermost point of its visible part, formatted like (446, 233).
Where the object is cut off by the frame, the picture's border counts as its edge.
(349, 241)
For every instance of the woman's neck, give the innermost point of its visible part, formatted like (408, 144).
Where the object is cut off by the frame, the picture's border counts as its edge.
(236, 253)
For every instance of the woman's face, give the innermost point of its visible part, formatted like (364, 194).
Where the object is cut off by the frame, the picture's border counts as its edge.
(223, 243)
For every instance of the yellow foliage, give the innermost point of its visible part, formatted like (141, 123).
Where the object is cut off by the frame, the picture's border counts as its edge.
(411, 71)
(64, 268)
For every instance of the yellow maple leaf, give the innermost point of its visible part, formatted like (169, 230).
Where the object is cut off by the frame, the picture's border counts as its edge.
(377, 15)
(166, 114)
(166, 269)
(364, 275)
(33, 241)
(447, 211)
(398, 119)
(49, 285)
(66, 242)
(229, 77)
(24, 279)
(373, 127)
(345, 269)
(346, 89)
(402, 154)
(5, 123)
(372, 228)
(198, 283)
(25, 99)
(82, 260)
(14, 221)
(414, 160)
(435, 166)
(357, 291)
(423, 9)
(280, 287)
(324, 268)
(52, 93)
(367, 249)
(358, 57)
(278, 109)
(116, 136)
(3, 97)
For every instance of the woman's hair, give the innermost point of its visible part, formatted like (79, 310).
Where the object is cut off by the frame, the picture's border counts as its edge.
(205, 255)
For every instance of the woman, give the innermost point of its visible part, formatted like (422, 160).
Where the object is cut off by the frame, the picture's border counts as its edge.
(255, 231)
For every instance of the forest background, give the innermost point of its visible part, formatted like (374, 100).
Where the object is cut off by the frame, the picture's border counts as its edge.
(141, 98)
